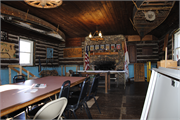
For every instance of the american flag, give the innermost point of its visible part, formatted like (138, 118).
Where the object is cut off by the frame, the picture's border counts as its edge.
(86, 59)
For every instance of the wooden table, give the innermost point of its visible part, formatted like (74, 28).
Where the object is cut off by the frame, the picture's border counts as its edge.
(15, 96)
(105, 73)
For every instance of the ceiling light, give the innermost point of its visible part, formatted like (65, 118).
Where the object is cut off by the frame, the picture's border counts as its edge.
(96, 38)
(44, 3)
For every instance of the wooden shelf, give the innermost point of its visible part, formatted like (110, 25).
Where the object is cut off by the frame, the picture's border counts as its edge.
(104, 53)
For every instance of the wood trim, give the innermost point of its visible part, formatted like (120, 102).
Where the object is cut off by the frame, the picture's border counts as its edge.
(27, 71)
(105, 53)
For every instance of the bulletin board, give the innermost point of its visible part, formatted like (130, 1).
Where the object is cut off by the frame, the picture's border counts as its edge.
(72, 52)
(7, 50)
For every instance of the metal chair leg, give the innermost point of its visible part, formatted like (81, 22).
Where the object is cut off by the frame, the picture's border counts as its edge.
(97, 104)
(74, 114)
(87, 110)
(64, 115)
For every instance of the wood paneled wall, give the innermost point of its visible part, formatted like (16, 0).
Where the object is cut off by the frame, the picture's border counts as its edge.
(10, 38)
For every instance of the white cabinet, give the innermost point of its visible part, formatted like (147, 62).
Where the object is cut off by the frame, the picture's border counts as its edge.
(163, 96)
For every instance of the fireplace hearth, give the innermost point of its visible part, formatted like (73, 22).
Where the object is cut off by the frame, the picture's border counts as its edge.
(105, 65)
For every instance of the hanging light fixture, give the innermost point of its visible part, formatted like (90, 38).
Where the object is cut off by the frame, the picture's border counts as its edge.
(96, 38)
(44, 3)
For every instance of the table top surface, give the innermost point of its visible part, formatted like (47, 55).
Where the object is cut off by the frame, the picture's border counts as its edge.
(15, 94)
(101, 71)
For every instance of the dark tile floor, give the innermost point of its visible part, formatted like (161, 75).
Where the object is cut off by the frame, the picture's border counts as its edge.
(119, 103)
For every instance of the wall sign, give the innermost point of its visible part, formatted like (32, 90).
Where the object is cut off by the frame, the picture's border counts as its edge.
(96, 47)
(91, 47)
(49, 52)
(102, 46)
(112, 46)
(107, 46)
(118, 46)
(72, 52)
(7, 50)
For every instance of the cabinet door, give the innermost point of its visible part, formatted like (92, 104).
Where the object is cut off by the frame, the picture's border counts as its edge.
(132, 53)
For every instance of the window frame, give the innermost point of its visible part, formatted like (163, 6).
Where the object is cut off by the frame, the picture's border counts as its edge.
(31, 51)
(176, 45)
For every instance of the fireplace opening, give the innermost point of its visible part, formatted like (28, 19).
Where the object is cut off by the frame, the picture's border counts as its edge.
(105, 65)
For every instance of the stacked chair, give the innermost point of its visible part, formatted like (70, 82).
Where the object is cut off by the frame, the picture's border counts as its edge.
(92, 92)
(75, 102)
(64, 93)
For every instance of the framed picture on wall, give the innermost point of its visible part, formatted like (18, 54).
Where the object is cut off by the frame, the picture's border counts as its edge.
(107, 46)
(112, 46)
(49, 53)
(96, 47)
(101, 46)
(118, 46)
(91, 47)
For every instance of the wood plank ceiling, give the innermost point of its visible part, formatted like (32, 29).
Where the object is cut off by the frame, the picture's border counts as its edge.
(79, 18)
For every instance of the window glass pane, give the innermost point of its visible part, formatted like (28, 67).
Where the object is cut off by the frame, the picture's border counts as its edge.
(25, 46)
(177, 53)
(25, 58)
(177, 46)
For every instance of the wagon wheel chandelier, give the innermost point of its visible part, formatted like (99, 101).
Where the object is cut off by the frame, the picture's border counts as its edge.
(44, 3)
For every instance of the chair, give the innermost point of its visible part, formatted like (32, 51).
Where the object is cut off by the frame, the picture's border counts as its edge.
(75, 103)
(52, 109)
(18, 78)
(92, 91)
(64, 92)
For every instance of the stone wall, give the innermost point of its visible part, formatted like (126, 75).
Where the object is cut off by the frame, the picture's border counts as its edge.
(118, 59)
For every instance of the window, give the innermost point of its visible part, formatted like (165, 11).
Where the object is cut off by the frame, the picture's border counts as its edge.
(177, 46)
(25, 52)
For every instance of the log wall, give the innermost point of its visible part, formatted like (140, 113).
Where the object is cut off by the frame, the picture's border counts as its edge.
(40, 52)
(39, 48)
(146, 51)
(71, 43)
(169, 48)
(10, 38)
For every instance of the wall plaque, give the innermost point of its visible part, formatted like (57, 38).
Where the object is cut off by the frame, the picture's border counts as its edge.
(102, 46)
(7, 50)
(96, 47)
(107, 46)
(91, 47)
(112, 46)
(72, 52)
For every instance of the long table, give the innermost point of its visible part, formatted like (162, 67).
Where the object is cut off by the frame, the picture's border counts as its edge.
(16, 96)
(105, 73)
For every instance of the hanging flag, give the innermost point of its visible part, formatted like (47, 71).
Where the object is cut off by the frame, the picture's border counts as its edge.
(86, 59)
(126, 61)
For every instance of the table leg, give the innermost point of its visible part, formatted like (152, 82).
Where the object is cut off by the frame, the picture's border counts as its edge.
(124, 80)
(109, 83)
(106, 76)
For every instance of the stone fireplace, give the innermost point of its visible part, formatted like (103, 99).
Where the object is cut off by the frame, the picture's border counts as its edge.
(103, 59)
